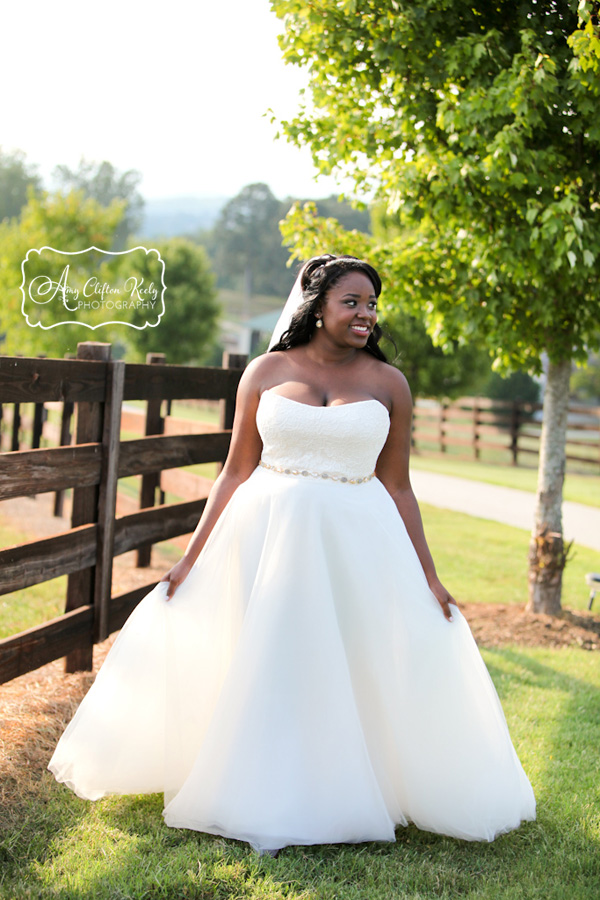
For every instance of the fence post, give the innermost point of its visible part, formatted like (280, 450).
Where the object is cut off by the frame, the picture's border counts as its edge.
(155, 424)
(230, 361)
(514, 432)
(80, 587)
(476, 450)
(441, 426)
(111, 442)
(16, 424)
(65, 439)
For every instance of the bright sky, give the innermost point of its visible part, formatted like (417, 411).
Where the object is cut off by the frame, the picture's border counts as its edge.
(177, 90)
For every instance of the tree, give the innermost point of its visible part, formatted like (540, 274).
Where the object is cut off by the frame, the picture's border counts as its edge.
(16, 178)
(246, 242)
(431, 371)
(478, 127)
(102, 182)
(187, 332)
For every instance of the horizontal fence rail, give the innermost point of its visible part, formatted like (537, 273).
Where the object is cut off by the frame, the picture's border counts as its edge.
(501, 430)
(90, 391)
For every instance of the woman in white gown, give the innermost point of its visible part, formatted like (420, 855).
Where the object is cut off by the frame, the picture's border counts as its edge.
(302, 676)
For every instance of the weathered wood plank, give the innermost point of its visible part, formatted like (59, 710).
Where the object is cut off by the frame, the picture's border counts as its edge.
(37, 646)
(27, 472)
(179, 382)
(158, 523)
(37, 561)
(25, 380)
(152, 454)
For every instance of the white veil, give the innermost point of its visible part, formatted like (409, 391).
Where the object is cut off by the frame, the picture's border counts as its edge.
(292, 303)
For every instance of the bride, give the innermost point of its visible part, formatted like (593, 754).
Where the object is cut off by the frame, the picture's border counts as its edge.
(302, 675)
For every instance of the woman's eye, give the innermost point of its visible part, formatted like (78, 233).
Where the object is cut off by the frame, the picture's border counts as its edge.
(350, 302)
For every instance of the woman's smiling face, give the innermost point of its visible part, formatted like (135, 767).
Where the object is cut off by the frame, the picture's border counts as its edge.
(349, 313)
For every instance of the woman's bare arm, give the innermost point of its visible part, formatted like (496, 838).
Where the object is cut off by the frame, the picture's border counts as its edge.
(242, 459)
(393, 472)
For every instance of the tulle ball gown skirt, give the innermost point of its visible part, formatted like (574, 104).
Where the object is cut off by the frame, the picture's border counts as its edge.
(303, 685)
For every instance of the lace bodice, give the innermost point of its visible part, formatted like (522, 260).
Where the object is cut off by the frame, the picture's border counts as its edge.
(340, 440)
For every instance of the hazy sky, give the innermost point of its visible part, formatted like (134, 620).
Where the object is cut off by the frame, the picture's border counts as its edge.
(177, 90)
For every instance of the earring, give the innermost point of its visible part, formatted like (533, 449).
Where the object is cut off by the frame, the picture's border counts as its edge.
(319, 323)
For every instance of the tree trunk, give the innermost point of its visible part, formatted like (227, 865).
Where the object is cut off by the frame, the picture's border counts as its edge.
(547, 552)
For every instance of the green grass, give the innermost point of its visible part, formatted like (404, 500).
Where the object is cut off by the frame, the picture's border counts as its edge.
(580, 488)
(483, 561)
(54, 845)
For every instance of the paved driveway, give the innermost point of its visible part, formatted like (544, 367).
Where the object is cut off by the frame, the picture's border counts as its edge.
(508, 505)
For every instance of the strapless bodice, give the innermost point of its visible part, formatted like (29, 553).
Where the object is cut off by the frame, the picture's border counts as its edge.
(343, 440)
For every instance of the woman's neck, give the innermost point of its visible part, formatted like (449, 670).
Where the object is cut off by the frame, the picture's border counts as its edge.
(329, 355)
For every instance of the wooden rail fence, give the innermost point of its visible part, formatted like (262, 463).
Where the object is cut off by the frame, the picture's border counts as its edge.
(503, 430)
(96, 388)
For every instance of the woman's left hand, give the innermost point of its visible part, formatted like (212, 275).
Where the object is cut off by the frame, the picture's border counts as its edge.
(443, 597)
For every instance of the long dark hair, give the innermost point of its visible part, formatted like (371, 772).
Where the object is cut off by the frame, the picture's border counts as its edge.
(318, 275)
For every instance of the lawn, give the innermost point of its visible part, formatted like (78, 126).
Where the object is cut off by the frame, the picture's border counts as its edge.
(483, 561)
(53, 845)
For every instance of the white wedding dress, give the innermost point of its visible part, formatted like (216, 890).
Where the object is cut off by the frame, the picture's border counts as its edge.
(303, 685)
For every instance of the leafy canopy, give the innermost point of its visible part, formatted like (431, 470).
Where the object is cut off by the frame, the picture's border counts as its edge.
(477, 125)
(188, 330)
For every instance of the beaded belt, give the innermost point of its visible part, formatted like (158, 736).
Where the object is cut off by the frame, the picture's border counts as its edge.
(324, 475)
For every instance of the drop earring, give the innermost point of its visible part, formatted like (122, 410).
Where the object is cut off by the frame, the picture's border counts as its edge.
(319, 323)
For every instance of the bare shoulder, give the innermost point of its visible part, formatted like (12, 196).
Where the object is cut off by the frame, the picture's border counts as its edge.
(261, 371)
(392, 387)
(399, 388)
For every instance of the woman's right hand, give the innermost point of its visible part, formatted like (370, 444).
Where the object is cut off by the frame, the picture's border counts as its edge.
(176, 575)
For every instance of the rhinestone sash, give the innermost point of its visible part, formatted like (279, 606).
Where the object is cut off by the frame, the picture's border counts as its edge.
(325, 476)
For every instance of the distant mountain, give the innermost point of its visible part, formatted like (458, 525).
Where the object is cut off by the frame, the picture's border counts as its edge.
(179, 215)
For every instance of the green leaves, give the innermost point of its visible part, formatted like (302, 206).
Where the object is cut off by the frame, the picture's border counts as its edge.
(478, 132)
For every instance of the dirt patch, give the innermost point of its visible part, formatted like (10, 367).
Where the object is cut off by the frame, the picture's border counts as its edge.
(500, 625)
